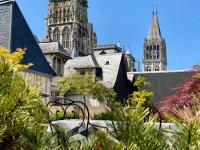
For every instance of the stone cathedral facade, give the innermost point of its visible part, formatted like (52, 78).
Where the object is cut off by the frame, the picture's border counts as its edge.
(155, 57)
(67, 23)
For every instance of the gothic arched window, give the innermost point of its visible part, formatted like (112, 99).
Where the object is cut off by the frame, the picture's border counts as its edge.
(148, 68)
(64, 15)
(56, 35)
(158, 47)
(66, 38)
(157, 68)
(154, 52)
(158, 52)
(50, 34)
(150, 52)
(147, 47)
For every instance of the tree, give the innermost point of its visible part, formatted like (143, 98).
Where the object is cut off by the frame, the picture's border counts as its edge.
(86, 85)
(184, 96)
(22, 113)
(141, 97)
(131, 132)
(183, 109)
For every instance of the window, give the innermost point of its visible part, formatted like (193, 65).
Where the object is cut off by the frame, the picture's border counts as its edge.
(107, 63)
(158, 54)
(157, 68)
(99, 73)
(147, 47)
(82, 72)
(66, 38)
(56, 35)
(64, 15)
(148, 68)
(57, 65)
(50, 33)
(54, 63)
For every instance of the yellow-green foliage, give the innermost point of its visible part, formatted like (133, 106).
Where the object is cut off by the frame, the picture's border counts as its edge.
(21, 111)
(141, 97)
(85, 85)
(12, 60)
(140, 83)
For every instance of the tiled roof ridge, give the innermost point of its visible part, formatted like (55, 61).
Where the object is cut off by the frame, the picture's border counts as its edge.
(111, 54)
(169, 71)
(6, 1)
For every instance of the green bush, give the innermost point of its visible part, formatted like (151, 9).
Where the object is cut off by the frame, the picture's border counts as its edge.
(103, 116)
(59, 115)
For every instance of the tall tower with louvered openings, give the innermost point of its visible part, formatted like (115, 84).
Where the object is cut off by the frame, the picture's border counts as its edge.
(67, 22)
(155, 57)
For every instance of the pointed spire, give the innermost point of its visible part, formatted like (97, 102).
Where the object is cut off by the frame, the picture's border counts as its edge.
(128, 51)
(119, 44)
(154, 31)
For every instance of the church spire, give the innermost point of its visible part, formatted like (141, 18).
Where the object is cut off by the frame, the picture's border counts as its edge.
(154, 31)
(155, 56)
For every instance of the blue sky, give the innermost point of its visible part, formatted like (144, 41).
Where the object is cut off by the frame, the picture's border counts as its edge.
(129, 22)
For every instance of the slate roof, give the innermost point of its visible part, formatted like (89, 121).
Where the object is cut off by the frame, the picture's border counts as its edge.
(107, 49)
(110, 66)
(163, 83)
(80, 63)
(54, 47)
(110, 70)
(15, 33)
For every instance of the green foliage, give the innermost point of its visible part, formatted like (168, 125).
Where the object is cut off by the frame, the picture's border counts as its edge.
(21, 110)
(134, 130)
(103, 116)
(187, 135)
(140, 83)
(85, 85)
(59, 115)
(22, 114)
(141, 97)
(101, 141)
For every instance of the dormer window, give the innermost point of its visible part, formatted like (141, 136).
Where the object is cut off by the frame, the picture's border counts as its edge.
(107, 63)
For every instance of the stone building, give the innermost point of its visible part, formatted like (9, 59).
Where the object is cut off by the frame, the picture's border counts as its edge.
(15, 33)
(155, 57)
(67, 23)
(55, 55)
(108, 64)
(130, 61)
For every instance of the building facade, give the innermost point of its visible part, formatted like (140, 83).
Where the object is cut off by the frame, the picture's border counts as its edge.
(67, 23)
(155, 56)
(130, 61)
(15, 33)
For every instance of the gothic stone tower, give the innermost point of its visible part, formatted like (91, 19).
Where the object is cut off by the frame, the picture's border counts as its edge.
(155, 57)
(67, 22)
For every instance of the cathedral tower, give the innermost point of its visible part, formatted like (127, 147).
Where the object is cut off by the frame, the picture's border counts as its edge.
(155, 57)
(67, 22)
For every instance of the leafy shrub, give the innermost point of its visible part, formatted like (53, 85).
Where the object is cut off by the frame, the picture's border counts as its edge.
(59, 115)
(86, 85)
(103, 116)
